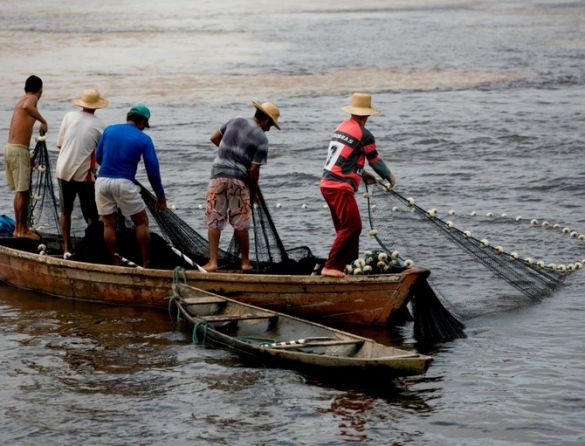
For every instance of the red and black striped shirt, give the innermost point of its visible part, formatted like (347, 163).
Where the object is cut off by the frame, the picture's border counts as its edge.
(350, 145)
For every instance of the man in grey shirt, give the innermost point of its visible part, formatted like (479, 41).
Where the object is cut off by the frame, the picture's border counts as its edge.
(243, 148)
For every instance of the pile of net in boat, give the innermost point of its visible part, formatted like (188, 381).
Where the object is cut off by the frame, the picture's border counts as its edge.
(403, 219)
(268, 253)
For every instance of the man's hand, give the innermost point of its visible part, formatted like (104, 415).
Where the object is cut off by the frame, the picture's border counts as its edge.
(161, 204)
(368, 177)
(390, 182)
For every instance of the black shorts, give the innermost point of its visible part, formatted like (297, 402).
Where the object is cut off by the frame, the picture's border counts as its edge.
(68, 190)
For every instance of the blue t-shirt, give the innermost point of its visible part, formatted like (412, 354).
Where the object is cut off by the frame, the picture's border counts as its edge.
(243, 142)
(119, 151)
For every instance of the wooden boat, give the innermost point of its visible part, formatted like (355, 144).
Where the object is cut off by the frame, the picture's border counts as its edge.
(366, 300)
(276, 338)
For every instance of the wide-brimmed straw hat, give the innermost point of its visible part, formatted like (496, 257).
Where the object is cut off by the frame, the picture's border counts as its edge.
(91, 98)
(269, 109)
(361, 105)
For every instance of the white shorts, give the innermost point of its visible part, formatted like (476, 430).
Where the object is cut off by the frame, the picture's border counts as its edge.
(112, 193)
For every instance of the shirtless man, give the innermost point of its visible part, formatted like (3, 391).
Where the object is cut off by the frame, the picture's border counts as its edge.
(17, 155)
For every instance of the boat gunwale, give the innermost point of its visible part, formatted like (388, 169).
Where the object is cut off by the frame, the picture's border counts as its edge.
(213, 276)
(401, 356)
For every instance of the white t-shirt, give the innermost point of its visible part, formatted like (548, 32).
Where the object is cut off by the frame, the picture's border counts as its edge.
(78, 137)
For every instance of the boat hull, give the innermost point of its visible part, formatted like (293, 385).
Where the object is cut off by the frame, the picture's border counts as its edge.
(283, 340)
(365, 300)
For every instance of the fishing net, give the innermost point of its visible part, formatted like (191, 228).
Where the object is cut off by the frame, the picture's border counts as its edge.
(268, 253)
(533, 278)
(179, 234)
(43, 212)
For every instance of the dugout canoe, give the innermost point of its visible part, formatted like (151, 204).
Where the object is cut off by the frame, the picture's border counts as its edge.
(365, 300)
(282, 340)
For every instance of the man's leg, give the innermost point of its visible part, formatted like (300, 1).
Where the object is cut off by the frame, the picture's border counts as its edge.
(142, 236)
(21, 213)
(87, 203)
(110, 222)
(244, 242)
(215, 218)
(65, 230)
(213, 236)
(67, 194)
(239, 216)
(345, 213)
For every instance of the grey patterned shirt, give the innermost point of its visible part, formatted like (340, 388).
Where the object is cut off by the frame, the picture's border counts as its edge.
(243, 142)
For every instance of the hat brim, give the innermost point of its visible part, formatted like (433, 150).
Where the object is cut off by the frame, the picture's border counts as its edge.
(360, 111)
(259, 107)
(101, 103)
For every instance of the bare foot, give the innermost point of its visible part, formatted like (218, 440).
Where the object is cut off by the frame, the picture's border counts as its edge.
(210, 267)
(27, 234)
(246, 267)
(328, 272)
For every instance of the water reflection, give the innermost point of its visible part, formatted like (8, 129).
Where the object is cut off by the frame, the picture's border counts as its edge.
(356, 411)
(76, 341)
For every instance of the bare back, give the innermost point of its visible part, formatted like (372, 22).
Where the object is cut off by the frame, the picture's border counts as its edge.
(23, 119)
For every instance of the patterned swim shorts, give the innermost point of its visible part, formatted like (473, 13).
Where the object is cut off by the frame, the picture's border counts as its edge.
(228, 200)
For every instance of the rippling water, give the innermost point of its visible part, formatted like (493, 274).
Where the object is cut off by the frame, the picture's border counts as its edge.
(482, 110)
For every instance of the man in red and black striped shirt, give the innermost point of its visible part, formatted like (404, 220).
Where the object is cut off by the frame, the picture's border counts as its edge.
(350, 146)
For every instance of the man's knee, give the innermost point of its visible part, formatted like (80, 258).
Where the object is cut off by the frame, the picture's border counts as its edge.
(140, 219)
(109, 221)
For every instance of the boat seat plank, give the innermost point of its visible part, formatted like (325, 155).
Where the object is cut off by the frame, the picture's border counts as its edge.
(316, 344)
(237, 317)
(203, 300)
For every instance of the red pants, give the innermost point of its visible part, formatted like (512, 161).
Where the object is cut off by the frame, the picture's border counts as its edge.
(348, 227)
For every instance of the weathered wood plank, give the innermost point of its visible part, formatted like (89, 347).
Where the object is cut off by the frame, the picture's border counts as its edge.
(236, 317)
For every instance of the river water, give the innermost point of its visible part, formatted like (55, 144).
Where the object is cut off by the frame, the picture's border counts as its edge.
(482, 111)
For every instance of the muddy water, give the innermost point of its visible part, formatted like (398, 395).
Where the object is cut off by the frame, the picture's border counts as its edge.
(482, 110)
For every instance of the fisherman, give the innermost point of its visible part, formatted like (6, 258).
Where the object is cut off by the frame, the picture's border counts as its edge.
(350, 146)
(78, 138)
(243, 148)
(118, 153)
(17, 155)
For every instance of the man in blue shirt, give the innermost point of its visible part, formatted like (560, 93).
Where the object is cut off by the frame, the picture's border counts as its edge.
(118, 154)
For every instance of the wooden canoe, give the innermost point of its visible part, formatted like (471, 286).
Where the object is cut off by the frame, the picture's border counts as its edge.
(279, 339)
(366, 300)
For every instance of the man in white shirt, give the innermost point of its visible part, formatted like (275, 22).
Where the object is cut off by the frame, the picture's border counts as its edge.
(78, 137)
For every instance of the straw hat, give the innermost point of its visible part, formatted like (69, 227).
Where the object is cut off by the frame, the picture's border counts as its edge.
(361, 105)
(91, 99)
(269, 109)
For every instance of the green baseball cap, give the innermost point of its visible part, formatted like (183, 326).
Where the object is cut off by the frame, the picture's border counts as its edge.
(141, 110)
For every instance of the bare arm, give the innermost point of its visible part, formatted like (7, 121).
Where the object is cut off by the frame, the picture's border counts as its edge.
(216, 137)
(30, 106)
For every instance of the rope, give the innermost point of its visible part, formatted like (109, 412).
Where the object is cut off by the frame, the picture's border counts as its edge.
(178, 274)
(195, 337)
(432, 321)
